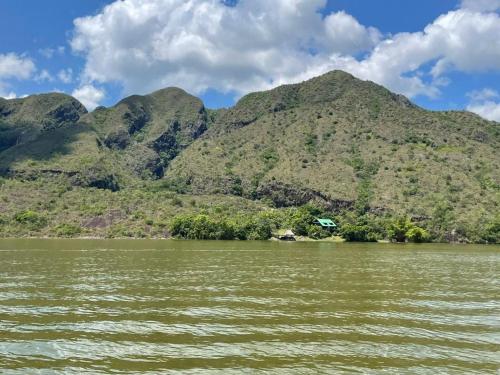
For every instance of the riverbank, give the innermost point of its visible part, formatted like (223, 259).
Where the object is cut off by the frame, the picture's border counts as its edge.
(42, 209)
(299, 239)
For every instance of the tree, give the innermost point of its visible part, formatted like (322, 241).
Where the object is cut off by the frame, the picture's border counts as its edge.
(361, 233)
(301, 220)
(491, 232)
(316, 232)
(204, 227)
(259, 229)
(417, 234)
(402, 229)
(398, 229)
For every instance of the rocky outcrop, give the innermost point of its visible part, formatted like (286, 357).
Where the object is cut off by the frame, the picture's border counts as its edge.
(284, 195)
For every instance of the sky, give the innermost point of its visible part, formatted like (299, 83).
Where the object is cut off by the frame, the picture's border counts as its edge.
(441, 54)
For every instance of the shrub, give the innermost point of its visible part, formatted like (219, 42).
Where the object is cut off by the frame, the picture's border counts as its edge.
(491, 232)
(200, 227)
(255, 228)
(203, 227)
(32, 220)
(311, 143)
(316, 232)
(260, 230)
(300, 221)
(361, 233)
(417, 234)
(402, 229)
(67, 230)
(398, 228)
(270, 157)
(236, 187)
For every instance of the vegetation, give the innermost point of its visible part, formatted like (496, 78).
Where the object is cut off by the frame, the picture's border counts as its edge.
(163, 165)
(402, 229)
(30, 220)
(203, 227)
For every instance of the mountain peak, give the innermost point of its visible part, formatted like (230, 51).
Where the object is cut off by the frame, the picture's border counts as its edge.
(51, 110)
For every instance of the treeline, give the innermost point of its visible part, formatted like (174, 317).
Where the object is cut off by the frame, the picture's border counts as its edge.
(204, 227)
(200, 218)
(262, 225)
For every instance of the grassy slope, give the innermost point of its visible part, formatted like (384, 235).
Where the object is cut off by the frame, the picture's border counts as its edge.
(352, 140)
(132, 212)
(347, 139)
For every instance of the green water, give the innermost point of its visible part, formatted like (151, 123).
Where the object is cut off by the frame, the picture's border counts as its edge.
(172, 307)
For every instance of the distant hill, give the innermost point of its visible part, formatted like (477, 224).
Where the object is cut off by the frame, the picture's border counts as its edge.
(334, 141)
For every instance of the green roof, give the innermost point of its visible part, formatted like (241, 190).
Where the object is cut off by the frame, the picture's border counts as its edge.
(326, 222)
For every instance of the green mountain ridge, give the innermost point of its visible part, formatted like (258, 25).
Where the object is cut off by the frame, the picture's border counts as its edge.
(334, 141)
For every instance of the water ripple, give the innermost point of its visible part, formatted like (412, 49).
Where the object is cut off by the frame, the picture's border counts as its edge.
(204, 308)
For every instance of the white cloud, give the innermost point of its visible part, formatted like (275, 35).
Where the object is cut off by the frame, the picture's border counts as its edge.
(199, 44)
(44, 76)
(7, 94)
(484, 103)
(483, 95)
(89, 95)
(65, 75)
(13, 66)
(460, 40)
(346, 35)
(481, 5)
(490, 110)
(48, 53)
(257, 44)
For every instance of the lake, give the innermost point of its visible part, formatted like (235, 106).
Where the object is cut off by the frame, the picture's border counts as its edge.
(196, 307)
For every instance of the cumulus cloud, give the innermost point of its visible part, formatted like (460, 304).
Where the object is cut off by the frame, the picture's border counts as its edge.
(485, 103)
(481, 5)
(344, 34)
(13, 66)
(89, 95)
(459, 40)
(258, 44)
(202, 44)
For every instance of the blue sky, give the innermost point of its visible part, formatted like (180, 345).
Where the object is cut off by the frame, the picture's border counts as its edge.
(428, 50)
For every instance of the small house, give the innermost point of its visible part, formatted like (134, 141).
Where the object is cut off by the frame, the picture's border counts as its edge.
(327, 224)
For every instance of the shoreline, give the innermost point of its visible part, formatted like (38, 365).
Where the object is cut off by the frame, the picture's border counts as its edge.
(299, 239)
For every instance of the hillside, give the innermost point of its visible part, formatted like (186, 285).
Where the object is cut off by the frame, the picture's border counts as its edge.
(350, 141)
(349, 147)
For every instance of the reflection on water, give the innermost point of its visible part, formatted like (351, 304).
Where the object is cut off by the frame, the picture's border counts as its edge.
(172, 307)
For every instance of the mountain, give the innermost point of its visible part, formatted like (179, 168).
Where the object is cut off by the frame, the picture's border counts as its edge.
(107, 148)
(347, 140)
(340, 143)
(22, 120)
(151, 130)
